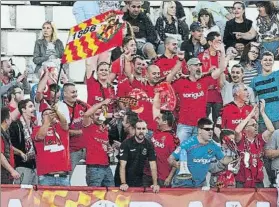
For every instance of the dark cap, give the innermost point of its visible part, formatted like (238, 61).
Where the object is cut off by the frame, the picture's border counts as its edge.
(195, 26)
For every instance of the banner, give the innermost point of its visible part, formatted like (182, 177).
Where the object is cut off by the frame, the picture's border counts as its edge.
(94, 36)
(44, 196)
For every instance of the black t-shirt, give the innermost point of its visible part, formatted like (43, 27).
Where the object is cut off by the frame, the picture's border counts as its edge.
(136, 154)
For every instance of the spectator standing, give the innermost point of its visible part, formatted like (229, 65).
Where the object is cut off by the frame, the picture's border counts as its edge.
(52, 146)
(272, 152)
(98, 171)
(238, 24)
(251, 147)
(20, 133)
(237, 74)
(250, 61)
(143, 29)
(200, 150)
(48, 47)
(196, 44)
(8, 173)
(266, 86)
(192, 92)
(220, 14)
(76, 109)
(207, 22)
(234, 112)
(134, 152)
(211, 60)
(167, 25)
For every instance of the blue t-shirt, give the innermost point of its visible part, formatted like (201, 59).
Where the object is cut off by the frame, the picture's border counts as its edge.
(267, 88)
(199, 158)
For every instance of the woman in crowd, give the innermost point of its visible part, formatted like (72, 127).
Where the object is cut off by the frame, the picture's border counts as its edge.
(48, 47)
(266, 28)
(250, 62)
(238, 24)
(207, 22)
(168, 25)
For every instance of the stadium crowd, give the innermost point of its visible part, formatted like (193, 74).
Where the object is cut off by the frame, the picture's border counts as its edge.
(224, 125)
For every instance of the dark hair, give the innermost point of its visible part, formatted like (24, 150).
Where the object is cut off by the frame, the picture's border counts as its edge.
(267, 53)
(204, 121)
(243, 7)
(5, 114)
(132, 118)
(12, 91)
(211, 21)
(244, 59)
(168, 116)
(101, 64)
(54, 87)
(22, 105)
(238, 66)
(269, 7)
(140, 121)
(211, 36)
(47, 109)
(137, 57)
(225, 132)
(127, 39)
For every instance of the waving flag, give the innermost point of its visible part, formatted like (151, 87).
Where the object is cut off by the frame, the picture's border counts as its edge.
(94, 36)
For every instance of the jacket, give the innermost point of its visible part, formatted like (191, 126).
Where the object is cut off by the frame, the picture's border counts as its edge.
(39, 55)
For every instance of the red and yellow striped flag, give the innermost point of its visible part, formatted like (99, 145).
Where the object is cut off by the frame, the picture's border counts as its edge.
(94, 36)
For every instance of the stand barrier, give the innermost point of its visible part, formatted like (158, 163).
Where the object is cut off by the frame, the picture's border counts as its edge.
(44, 196)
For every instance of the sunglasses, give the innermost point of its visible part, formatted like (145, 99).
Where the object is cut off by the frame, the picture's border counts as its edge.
(254, 52)
(208, 129)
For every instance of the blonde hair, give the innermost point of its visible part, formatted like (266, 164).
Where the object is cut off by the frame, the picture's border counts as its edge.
(164, 7)
(54, 31)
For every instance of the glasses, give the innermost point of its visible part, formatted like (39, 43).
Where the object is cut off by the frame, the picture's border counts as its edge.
(254, 52)
(208, 129)
(138, 7)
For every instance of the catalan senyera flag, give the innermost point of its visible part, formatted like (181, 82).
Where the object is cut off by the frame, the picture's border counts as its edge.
(94, 36)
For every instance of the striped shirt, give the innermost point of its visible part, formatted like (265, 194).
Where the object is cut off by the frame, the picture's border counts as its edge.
(249, 74)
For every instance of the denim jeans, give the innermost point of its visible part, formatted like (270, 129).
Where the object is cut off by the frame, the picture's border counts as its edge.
(75, 158)
(54, 181)
(84, 10)
(99, 176)
(183, 132)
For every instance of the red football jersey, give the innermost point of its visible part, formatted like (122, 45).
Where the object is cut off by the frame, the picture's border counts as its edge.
(166, 64)
(192, 99)
(53, 153)
(232, 115)
(96, 93)
(76, 123)
(164, 145)
(96, 145)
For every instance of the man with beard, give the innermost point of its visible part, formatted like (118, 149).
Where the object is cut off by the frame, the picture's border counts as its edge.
(51, 141)
(8, 173)
(164, 141)
(237, 110)
(196, 44)
(251, 147)
(169, 59)
(200, 150)
(76, 110)
(237, 73)
(45, 97)
(20, 132)
(134, 152)
(98, 171)
(122, 67)
(15, 95)
(8, 80)
(145, 33)
(192, 92)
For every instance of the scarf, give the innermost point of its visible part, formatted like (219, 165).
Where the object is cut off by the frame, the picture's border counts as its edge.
(29, 146)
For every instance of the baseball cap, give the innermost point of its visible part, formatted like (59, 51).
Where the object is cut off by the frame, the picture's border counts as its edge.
(195, 26)
(194, 61)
